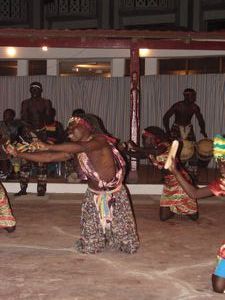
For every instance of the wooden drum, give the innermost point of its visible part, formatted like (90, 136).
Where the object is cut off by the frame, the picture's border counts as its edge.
(204, 152)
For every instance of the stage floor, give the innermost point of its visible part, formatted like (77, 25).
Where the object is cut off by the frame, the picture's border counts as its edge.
(175, 259)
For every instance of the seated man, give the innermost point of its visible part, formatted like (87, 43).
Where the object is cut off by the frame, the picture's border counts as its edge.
(8, 131)
(55, 134)
(106, 217)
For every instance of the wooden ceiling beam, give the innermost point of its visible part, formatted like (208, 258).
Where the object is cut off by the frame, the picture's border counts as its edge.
(119, 39)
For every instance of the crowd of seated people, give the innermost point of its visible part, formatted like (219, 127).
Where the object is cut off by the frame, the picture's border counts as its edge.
(17, 130)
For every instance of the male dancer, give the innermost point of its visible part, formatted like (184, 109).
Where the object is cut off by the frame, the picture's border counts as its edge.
(106, 217)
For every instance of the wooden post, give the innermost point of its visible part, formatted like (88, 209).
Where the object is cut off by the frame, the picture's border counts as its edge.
(134, 101)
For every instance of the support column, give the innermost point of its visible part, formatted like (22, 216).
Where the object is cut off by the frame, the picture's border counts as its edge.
(105, 14)
(183, 13)
(116, 15)
(22, 67)
(134, 100)
(117, 67)
(37, 15)
(52, 67)
(151, 66)
(197, 16)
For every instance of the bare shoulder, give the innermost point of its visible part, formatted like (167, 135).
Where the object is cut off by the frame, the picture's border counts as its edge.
(100, 139)
(47, 100)
(177, 104)
(196, 108)
(182, 102)
(95, 143)
(25, 101)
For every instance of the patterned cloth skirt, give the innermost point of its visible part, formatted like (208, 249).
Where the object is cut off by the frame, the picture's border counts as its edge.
(181, 132)
(174, 197)
(121, 234)
(6, 217)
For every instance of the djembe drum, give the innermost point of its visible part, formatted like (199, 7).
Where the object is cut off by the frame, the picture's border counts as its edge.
(204, 152)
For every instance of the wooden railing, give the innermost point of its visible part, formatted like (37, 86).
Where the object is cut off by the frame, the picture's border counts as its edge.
(14, 11)
(65, 8)
(147, 4)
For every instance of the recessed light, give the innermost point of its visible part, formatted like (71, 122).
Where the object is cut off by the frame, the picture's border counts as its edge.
(145, 52)
(44, 48)
(11, 51)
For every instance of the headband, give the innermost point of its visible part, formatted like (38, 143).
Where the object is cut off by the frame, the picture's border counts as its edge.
(219, 147)
(35, 85)
(80, 121)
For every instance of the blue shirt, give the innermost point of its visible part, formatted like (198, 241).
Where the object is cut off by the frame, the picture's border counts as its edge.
(220, 268)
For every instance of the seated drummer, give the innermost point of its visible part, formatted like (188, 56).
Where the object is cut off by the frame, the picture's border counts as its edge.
(9, 130)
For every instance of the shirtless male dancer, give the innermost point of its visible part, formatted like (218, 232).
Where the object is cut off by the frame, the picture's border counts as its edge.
(106, 217)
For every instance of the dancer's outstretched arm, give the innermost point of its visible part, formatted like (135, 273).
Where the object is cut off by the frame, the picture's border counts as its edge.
(192, 191)
(45, 156)
(134, 150)
(96, 143)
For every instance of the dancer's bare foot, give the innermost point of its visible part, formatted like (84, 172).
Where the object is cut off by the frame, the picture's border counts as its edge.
(10, 229)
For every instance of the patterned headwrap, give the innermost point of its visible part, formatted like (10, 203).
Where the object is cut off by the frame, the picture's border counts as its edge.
(146, 133)
(219, 147)
(80, 121)
(221, 251)
(156, 132)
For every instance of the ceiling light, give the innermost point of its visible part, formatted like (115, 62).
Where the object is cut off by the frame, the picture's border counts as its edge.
(145, 52)
(75, 68)
(44, 48)
(11, 51)
(94, 66)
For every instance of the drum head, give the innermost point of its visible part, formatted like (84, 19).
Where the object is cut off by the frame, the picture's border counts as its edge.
(205, 147)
